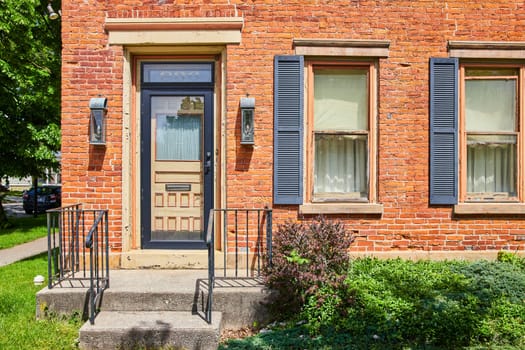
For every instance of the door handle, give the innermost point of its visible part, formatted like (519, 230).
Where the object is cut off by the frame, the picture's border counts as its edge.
(207, 163)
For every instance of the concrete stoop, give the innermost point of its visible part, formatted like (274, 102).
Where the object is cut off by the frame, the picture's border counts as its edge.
(151, 330)
(159, 309)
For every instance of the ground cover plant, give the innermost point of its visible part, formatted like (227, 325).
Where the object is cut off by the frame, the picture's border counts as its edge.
(19, 328)
(22, 230)
(397, 304)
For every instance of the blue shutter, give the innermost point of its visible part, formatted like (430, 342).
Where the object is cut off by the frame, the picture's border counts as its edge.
(443, 131)
(288, 130)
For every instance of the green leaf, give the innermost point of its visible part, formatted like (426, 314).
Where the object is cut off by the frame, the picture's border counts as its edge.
(295, 258)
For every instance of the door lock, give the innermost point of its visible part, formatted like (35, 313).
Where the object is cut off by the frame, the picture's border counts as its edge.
(207, 163)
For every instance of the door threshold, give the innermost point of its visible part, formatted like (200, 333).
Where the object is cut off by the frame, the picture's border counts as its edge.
(168, 259)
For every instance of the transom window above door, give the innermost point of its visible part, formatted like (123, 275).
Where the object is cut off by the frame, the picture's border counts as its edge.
(177, 72)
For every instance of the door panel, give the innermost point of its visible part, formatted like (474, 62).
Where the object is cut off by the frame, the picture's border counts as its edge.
(177, 188)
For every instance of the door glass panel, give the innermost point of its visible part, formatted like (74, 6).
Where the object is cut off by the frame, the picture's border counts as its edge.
(176, 178)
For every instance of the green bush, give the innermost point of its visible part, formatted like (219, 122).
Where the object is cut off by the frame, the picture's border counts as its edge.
(425, 304)
(504, 323)
(400, 304)
(489, 281)
(322, 310)
(307, 257)
(511, 258)
(499, 288)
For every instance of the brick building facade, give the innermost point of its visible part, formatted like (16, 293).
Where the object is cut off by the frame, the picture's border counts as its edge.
(431, 126)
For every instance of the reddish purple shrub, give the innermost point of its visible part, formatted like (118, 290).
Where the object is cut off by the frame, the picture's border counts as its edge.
(306, 257)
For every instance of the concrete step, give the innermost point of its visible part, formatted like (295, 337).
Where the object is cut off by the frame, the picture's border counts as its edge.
(155, 290)
(150, 329)
(241, 302)
(116, 300)
(239, 306)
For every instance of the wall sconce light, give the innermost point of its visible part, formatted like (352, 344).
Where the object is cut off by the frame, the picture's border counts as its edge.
(52, 14)
(97, 123)
(247, 120)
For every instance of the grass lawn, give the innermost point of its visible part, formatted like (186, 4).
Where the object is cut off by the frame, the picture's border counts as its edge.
(24, 230)
(19, 328)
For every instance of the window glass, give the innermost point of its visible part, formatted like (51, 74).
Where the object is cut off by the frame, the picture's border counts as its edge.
(178, 73)
(490, 105)
(341, 165)
(178, 125)
(491, 115)
(491, 165)
(341, 99)
(491, 72)
(340, 134)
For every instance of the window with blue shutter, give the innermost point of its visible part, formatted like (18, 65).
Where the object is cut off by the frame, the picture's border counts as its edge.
(288, 130)
(443, 131)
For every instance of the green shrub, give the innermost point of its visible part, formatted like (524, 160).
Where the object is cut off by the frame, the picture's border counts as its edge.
(504, 323)
(511, 258)
(307, 257)
(499, 288)
(489, 281)
(400, 304)
(322, 310)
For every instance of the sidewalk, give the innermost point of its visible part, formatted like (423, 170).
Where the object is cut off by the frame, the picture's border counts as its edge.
(23, 251)
(13, 207)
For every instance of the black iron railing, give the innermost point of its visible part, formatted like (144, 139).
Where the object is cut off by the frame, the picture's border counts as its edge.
(210, 242)
(78, 251)
(246, 246)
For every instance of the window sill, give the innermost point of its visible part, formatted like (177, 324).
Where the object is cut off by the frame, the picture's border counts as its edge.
(341, 208)
(489, 208)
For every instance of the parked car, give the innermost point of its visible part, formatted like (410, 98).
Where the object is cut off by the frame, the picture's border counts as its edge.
(48, 197)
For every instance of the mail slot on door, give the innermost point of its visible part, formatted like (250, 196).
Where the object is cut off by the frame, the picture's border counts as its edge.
(178, 187)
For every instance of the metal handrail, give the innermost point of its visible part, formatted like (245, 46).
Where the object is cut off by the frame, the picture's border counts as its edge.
(97, 285)
(246, 228)
(76, 235)
(210, 242)
(250, 234)
(60, 221)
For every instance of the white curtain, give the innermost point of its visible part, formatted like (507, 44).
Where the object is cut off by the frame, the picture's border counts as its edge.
(178, 137)
(491, 164)
(341, 100)
(341, 164)
(490, 105)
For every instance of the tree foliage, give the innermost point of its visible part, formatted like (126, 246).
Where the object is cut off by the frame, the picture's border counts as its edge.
(30, 47)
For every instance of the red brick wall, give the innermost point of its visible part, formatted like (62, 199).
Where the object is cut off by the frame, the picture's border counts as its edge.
(417, 30)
